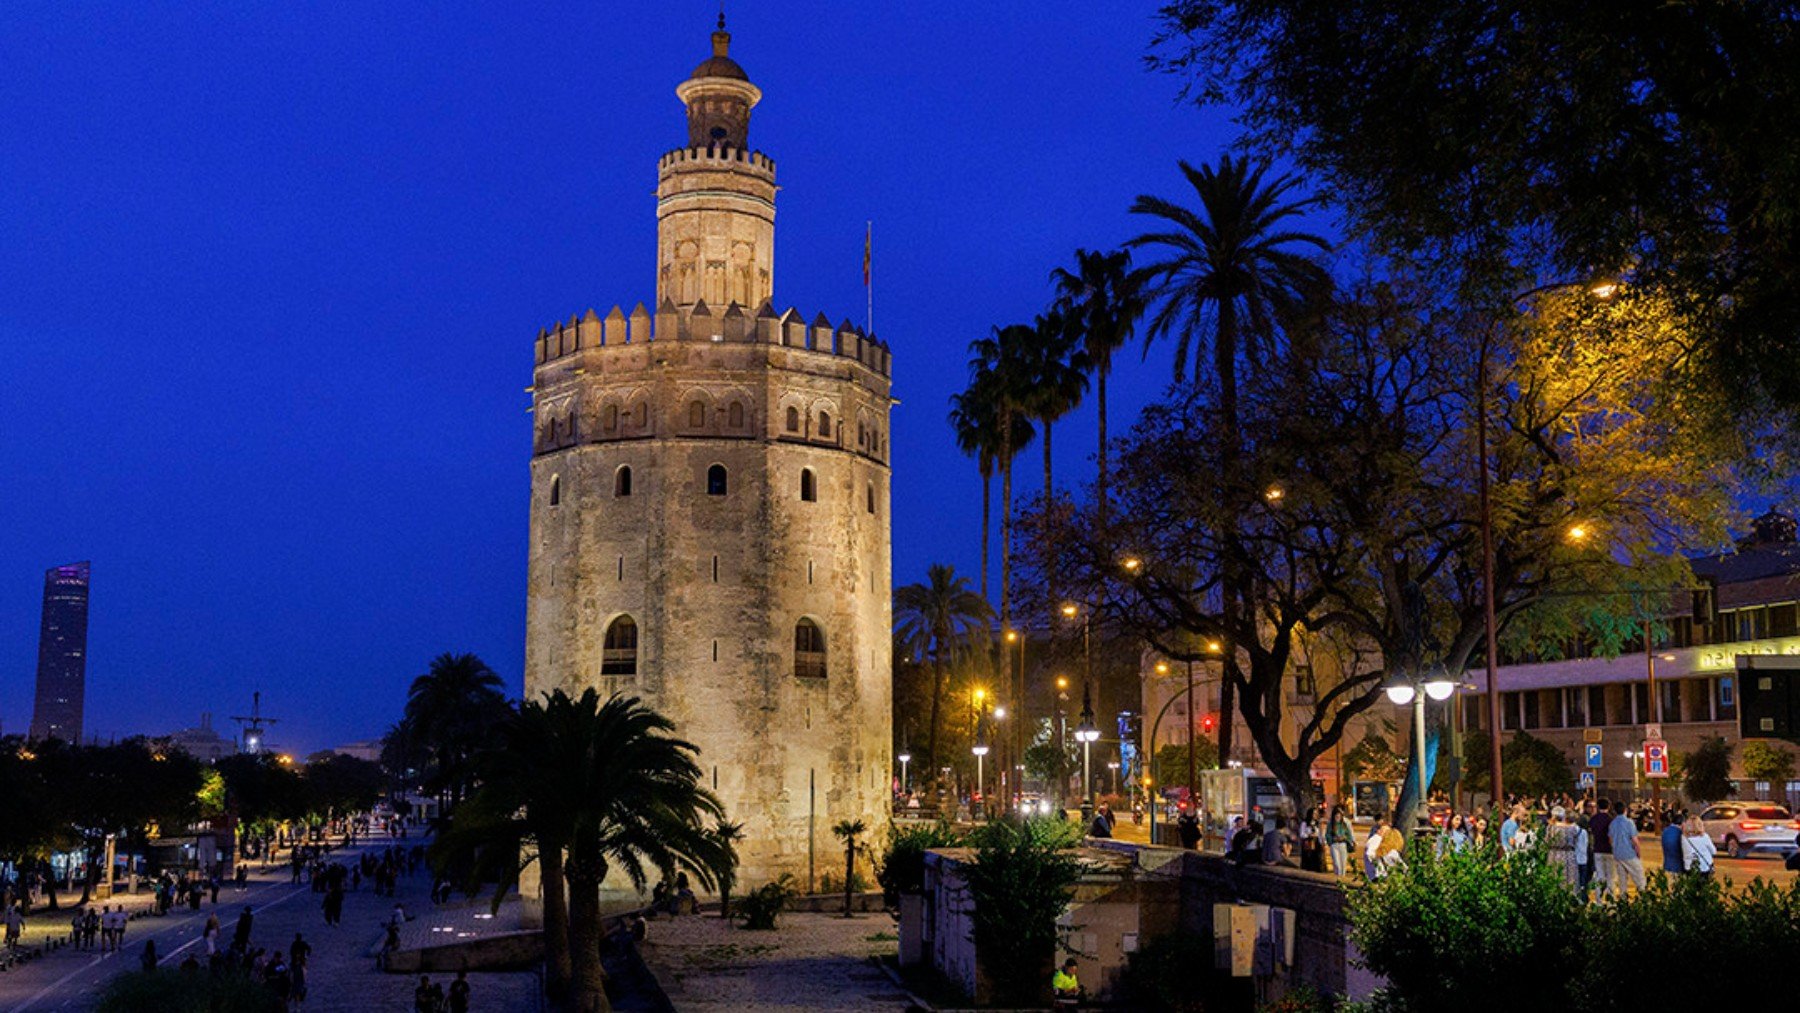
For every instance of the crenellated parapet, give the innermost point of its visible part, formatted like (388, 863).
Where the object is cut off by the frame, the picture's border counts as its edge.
(717, 156)
(701, 323)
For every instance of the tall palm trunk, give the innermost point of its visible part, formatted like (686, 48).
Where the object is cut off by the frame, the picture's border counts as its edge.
(1100, 401)
(558, 972)
(1236, 595)
(1006, 474)
(588, 977)
(939, 684)
(987, 495)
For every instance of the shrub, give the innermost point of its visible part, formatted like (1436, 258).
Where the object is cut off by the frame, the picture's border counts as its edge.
(903, 860)
(1706, 771)
(1693, 928)
(762, 904)
(1304, 999)
(1470, 932)
(172, 991)
(1020, 883)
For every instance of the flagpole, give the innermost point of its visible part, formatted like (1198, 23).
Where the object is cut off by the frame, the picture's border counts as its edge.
(869, 274)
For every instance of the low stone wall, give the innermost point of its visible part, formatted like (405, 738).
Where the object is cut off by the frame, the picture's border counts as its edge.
(504, 951)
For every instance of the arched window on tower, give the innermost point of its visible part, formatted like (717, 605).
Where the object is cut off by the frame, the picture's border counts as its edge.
(809, 650)
(734, 416)
(555, 489)
(871, 497)
(622, 481)
(825, 425)
(619, 651)
(793, 419)
(697, 414)
(715, 480)
(809, 486)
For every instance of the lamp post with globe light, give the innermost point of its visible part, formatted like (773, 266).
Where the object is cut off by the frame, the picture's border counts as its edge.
(1087, 735)
(905, 781)
(1412, 689)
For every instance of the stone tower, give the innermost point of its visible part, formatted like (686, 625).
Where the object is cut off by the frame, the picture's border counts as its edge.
(709, 507)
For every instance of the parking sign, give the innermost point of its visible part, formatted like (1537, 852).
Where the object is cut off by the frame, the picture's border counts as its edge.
(1593, 754)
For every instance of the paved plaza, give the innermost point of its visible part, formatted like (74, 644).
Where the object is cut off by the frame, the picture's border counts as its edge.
(810, 961)
(342, 977)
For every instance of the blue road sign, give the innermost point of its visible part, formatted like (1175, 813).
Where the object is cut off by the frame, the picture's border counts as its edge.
(1593, 754)
(1587, 779)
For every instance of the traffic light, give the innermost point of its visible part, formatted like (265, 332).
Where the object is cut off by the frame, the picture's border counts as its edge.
(1208, 722)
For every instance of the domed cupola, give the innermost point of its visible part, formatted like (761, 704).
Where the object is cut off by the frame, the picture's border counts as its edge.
(719, 96)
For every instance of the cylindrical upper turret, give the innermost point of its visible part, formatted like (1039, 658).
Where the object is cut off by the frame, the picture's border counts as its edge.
(719, 96)
(715, 199)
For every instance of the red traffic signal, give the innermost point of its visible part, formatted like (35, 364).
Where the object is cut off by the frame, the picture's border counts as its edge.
(1207, 722)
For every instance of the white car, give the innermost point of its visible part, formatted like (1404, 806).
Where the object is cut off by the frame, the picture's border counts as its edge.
(1740, 828)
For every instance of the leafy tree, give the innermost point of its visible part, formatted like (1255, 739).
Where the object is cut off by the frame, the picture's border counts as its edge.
(1764, 761)
(1356, 520)
(340, 783)
(1020, 880)
(943, 620)
(1520, 141)
(261, 789)
(1100, 304)
(850, 832)
(1532, 766)
(1172, 760)
(1373, 759)
(1048, 758)
(1706, 772)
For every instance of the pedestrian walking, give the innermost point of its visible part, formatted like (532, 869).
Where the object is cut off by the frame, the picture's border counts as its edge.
(459, 993)
(148, 959)
(240, 939)
(15, 924)
(1560, 837)
(1338, 837)
(211, 934)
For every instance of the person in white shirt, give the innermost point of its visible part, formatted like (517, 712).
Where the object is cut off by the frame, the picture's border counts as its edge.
(1697, 851)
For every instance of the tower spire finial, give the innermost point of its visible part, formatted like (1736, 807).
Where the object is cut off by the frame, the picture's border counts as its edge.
(721, 15)
(721, 39)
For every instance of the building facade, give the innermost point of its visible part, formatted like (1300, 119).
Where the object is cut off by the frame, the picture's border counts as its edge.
(62, 655)
(709, 507)
(1580, 695)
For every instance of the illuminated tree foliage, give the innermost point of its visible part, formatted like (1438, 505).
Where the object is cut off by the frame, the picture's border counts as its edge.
(1354, 514)
(1520, 140)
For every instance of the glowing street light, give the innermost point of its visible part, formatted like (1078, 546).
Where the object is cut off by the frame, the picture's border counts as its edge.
(1087, 735)
(905, 781)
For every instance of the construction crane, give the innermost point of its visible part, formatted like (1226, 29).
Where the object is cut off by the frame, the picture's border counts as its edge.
(250, 735)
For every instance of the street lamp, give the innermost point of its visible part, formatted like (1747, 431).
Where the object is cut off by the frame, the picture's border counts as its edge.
(1087, 735)
(1631, 756)
(980, 751)
(905, 782)
(1411, 689)
(1113, 766)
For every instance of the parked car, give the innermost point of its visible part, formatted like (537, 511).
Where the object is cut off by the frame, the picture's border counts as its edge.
(1742, 828)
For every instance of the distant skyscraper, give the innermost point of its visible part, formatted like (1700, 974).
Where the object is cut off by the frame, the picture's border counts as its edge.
(62, 654)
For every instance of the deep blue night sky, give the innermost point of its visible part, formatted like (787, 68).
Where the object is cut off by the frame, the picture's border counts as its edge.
(270, 275)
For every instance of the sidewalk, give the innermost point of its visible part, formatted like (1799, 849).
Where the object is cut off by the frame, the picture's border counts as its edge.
(810, 961)
(341, 976)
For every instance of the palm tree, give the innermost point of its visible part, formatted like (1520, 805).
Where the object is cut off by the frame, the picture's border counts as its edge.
(595, 787)
(1000, 375)
(1055, 370)
(848, 831)
(975, 417)
(939, 619)
(1101, 304)
(449, 710)
(727, 835)
(1234, 263)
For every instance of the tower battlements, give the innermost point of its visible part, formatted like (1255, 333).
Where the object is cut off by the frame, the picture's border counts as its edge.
(722, 156)
(732, 325)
